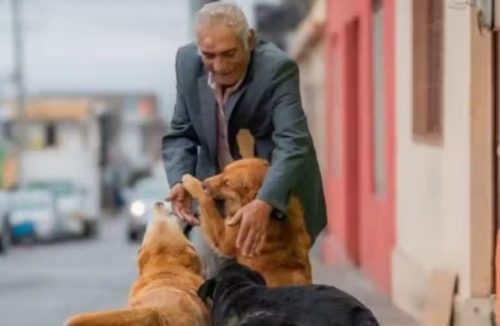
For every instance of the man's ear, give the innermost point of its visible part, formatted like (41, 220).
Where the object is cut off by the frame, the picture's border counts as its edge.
(206, 290)
(252, 38)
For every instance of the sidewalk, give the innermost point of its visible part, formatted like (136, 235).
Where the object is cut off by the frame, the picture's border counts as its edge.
(349, 279)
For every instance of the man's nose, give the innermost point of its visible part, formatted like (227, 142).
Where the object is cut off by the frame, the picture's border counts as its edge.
(219, 66)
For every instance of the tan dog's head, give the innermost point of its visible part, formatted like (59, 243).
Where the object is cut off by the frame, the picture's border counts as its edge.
(165, 246)
(238, 184)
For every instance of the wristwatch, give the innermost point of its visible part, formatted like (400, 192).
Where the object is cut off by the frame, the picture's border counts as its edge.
(277, 214)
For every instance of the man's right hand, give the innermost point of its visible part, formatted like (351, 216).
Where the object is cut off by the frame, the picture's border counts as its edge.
(181, 204)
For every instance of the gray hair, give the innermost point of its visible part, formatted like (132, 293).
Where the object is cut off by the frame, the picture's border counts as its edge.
(228, 14)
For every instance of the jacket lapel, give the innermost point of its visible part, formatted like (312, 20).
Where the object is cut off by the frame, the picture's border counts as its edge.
(233, 100)
(208, 108)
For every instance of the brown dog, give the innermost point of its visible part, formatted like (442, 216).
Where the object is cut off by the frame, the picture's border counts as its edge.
(284, 259)
(165, 291)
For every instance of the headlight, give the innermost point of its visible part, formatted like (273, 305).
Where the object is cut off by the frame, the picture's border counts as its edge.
(137, 208)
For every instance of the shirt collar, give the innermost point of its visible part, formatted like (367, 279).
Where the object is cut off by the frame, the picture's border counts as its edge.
(213, 85)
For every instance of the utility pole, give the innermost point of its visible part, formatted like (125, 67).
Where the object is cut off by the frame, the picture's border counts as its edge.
(18, 75)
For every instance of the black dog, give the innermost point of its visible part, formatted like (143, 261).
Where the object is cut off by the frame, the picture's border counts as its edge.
(240, 297)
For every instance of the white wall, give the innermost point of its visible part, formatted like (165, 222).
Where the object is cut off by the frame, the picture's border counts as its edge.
(456, 165)
(433, 204)
(74, 159)
(131, 144)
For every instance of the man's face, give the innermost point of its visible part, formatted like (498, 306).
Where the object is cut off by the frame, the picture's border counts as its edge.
(223, 53)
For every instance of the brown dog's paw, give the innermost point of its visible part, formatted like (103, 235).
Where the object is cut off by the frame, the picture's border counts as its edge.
(193, 186)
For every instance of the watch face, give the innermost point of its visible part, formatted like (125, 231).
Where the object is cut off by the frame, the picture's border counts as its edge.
(278, 214)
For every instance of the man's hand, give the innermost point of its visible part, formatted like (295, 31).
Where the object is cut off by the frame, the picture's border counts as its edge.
(181, 204)
(254, 218)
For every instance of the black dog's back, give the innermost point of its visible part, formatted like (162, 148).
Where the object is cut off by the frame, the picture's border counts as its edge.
(240, 294)
(268, 321)
(321, 305)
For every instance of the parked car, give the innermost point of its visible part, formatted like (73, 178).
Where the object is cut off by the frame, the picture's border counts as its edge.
(141, 200)
(70, 206)
(5, 233)
(33, 215)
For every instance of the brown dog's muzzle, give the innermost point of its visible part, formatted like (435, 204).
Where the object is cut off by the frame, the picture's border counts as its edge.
(212, 186)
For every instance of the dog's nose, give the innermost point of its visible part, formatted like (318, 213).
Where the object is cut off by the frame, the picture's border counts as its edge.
(204, 185)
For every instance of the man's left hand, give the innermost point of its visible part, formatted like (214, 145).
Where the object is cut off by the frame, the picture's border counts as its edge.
(254, 218)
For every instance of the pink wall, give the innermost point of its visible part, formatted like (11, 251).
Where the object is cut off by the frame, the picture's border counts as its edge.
(361, 223)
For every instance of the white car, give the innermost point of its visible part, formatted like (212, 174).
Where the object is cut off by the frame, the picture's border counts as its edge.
(69, 206)
(141, 200)
(33, 215)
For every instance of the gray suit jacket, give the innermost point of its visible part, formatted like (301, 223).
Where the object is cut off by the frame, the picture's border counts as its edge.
(268, 104)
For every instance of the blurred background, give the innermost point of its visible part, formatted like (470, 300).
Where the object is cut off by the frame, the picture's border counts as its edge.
(87, 90)
(401, 98)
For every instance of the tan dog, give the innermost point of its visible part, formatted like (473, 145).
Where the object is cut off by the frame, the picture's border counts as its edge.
(165, 291)
(284, 259)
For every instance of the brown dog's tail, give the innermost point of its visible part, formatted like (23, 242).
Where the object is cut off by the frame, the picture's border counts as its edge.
(133, 317)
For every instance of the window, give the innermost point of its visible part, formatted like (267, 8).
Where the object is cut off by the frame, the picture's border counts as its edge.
(50, 135)
(428, 70)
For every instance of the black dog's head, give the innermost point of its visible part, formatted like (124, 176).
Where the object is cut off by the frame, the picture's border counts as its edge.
(231, 274)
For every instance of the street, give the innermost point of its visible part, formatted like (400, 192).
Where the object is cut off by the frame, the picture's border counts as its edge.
(44, 284)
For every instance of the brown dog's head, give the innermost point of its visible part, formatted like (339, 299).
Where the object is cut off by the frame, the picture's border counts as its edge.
(238, 184)
(165, 246)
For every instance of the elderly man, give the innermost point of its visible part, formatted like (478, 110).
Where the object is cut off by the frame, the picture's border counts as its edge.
(232, 80)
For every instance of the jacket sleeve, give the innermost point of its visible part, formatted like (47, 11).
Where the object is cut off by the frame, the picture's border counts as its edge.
(180, 144)
(292, 141)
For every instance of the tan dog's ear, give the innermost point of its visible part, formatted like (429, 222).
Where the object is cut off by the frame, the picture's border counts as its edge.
(246, 143)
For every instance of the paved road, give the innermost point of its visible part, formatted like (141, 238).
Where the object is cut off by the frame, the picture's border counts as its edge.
(44, 284)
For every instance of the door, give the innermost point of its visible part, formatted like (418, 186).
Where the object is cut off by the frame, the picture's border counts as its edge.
(377, 142)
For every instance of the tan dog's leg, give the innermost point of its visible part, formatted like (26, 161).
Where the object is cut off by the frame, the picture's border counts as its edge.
(194, 187)
(133, 317)
(212, 223)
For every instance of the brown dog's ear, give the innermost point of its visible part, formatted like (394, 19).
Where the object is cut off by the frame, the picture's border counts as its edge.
(206, 290)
